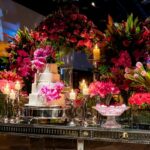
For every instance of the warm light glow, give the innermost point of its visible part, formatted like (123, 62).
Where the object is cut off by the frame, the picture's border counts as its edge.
(96, 53)
(85, 90)
(82, 84)
(12, 95)
(72, 95)
(17, 86)
(6, 89)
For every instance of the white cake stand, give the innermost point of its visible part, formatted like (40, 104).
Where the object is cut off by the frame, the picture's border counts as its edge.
(111, 112)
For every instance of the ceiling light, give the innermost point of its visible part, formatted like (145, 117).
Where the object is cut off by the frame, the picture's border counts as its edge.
(93, 4)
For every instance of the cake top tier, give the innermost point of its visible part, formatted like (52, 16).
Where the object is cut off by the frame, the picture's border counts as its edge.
(51, 68)
(50, 74)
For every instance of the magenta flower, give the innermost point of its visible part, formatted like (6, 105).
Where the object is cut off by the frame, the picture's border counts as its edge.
(22, 53)
(40, 53)
(102, 89)
(50, 93)
(59, 86)
(42, 56)
(38, 64)
(123, 60)
(24, 70)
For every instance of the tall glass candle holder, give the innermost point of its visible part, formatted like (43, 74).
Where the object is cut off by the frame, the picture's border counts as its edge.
(6, 103)
(66, 70)
(85, 92)
(84, 116)
(72, 97)
(95, 64)
(12, 98)
(17, 88)
(5, 118)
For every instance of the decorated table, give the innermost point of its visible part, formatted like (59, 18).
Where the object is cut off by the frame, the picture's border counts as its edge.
(78, 133)
(38, 96)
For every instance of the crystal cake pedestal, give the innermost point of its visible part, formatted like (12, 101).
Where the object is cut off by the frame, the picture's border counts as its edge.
(44, 114)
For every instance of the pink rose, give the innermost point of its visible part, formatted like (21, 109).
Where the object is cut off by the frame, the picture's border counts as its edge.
(139, 65)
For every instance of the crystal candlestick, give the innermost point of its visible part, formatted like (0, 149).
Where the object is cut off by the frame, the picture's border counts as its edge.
(84, 118)
(5, 119)
(72, 122)
(18, 107)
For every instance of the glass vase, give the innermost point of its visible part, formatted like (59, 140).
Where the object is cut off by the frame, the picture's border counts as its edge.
(140, 118)
(111, 123)
(66, 70)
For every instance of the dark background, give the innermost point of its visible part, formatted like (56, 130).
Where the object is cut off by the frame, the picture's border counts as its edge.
(118, 9)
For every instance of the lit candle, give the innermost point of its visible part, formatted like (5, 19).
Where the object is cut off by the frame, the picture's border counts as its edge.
(72, 95)
(85, 90)
(6, 89)
(82, 84)
(12, 95)
(18, 86)
(96, 53)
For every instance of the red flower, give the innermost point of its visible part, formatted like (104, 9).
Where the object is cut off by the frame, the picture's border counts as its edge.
(88, 44)
(22, 53)
(140, 99)
(126, 43)
(73, 39)
(80, 43)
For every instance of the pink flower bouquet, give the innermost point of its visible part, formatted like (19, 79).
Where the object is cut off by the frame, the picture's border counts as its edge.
(103, 89)
(141, 100)
(52, 93)
(42, 56)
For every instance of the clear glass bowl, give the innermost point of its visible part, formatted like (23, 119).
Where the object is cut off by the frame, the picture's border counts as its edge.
(111, 112)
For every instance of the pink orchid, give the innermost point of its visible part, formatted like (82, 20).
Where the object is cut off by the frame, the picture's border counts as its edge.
(41, 55)
(52, 93)
(38, 64)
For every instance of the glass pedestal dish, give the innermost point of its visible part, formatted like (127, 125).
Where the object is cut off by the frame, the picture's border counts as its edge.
(111, 112)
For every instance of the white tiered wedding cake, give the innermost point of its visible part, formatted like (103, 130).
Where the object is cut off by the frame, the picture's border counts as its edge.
(49, 77)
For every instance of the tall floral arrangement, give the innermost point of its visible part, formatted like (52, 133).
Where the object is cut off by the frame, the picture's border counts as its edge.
(125, 44)
(21, 54)
(70, 30)
(63, 30)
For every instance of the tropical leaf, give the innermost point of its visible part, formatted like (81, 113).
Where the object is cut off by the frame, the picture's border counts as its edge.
(110, 21)
(137, 29)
